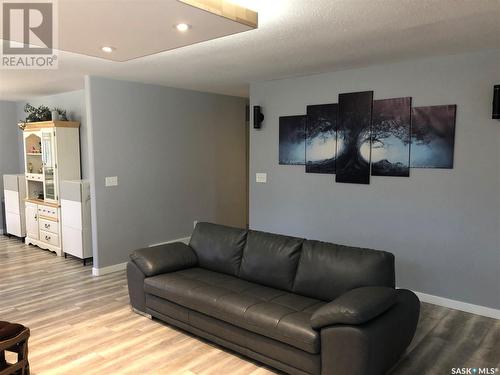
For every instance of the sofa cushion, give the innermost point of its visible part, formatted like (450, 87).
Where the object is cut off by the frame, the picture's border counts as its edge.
(274, 313)
(270, 351)
(271, 259)
(219, 248)
(327, 270)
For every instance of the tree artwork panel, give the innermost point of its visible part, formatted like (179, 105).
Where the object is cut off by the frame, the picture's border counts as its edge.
(292, 139)
(321, 138)
(433, 136)
(390, 141)
(353, 133)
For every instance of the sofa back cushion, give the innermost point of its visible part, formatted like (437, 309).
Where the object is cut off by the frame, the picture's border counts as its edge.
(219, 248)
(326, 270)
(271, 259)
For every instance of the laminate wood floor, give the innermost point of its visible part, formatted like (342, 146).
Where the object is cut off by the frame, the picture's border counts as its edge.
(84, 325)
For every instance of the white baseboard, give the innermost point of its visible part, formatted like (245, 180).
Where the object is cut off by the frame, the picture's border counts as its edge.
(108, 269)
(458, 305)
(183, 240)
(122, 266)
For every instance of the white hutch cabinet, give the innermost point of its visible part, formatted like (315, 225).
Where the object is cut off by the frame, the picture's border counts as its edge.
(52, 154)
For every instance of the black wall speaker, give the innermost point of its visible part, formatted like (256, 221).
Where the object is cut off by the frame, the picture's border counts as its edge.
(258, 117)
(496, 102)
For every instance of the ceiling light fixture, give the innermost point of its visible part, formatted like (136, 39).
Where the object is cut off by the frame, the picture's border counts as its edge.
(182, 27)
(108, 49)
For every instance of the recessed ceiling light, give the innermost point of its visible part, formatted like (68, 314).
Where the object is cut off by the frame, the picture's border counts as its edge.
(182, 27)
(108, 49)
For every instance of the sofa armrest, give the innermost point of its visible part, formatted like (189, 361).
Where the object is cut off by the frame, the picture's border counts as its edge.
(355, 307)
(135, 281)
(164, 258)
(373, 347)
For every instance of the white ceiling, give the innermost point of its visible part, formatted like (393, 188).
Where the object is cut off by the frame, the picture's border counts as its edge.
(295, 37)
(135, 28)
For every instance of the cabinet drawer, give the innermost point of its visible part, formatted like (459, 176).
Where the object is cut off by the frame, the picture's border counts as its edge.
(49, 226)
(48, 211)
(49, 238)
(34, 176)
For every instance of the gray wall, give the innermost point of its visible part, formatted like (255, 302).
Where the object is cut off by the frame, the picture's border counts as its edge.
(9, 148)
(442, 225)
(179, 156)
(74, 104)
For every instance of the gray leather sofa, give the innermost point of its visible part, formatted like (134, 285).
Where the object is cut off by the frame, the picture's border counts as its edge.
(301, 306)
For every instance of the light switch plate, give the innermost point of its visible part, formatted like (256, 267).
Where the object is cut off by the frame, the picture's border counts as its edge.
(112, 181)
(261, 177)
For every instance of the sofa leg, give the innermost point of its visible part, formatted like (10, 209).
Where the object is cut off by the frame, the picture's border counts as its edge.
(142, 313)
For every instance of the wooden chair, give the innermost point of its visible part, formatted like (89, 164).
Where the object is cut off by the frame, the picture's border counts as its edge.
(14, 338)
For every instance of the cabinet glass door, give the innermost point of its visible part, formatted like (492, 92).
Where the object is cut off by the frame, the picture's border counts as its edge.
(49, 167)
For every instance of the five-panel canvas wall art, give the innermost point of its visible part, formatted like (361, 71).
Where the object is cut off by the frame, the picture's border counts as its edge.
(359, 137)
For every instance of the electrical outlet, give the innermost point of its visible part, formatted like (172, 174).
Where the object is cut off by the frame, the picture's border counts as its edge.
(261, 177)
(111, 181)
